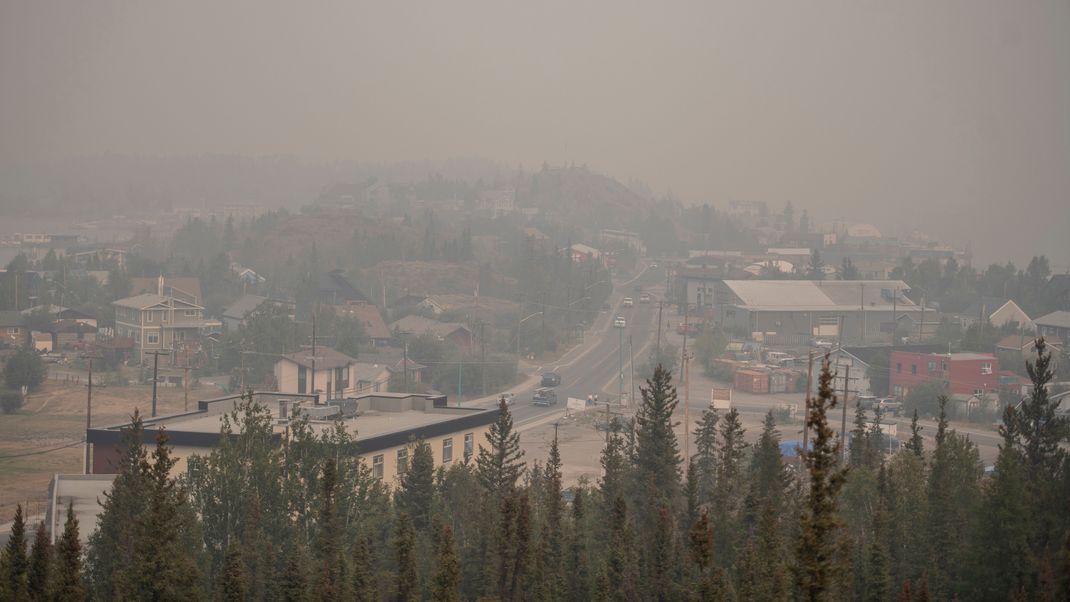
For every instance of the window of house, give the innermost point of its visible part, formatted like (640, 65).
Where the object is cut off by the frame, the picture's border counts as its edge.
(898, 368)
(943, 366)
(403, 460)
(932, 367)
(190, 313)
(469, 445)
(154, 338)
(978, 392)
(341, 380)
(148, 316)
(914, 369)
(986, 368)
(447, 451)
(898, 390)
(377, 466)
(302, 379)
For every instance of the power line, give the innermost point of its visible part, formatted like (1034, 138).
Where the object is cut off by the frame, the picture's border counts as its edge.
(39, 452)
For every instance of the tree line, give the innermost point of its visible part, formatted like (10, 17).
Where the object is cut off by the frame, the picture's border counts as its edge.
(301, 518)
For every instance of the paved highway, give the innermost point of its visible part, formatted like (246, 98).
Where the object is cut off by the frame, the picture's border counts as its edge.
(593, 367)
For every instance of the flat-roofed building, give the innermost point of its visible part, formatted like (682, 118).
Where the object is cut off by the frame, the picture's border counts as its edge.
(383, 426)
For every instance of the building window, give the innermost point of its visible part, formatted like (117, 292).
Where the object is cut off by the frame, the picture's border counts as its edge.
(403, 460)
(978, 392)
(377, 466)
(447, 451)
(986, 368)
(302, 379)
(914, 369)
(190, 313)
(898, 368)
(153, 338)
(943, 366)
(898, 390)
(932, 367)
(469, 445)
(148, 316)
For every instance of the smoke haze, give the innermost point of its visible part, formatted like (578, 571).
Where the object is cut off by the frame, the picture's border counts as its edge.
(950, 117)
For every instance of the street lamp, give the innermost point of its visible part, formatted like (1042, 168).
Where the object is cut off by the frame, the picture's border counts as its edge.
(519, 322)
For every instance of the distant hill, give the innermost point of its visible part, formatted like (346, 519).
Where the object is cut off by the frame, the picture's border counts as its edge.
(582, 197)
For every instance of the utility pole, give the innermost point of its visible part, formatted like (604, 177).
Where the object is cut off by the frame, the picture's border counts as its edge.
(405, 364)
(631, 364)
(806, 411)
(89, 411)
(843, 421)
(862, 304)
(482, 360)
(155, 373)
(895, 298)
(687, 393)
(620, 368)
(185, 383)
(658, 347)
(313, 389)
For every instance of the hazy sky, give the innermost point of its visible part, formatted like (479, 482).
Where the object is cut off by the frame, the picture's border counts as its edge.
(949, 115)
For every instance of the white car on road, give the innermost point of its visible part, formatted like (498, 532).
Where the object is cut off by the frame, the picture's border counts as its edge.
(619, 322)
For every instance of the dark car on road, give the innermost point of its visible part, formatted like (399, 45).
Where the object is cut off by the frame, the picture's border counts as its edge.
(550, 379)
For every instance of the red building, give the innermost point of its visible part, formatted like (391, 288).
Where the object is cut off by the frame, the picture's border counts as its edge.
(965, 373)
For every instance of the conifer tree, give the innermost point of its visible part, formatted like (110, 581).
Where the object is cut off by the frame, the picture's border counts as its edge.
(728, 492)
(111, 547)
(768, 475)
(657, 457)
(445, 586)
(763, 568)
(293, 583)
(406, 584)
(1002, 557)
(551, 583)
(659, 582)
(705, 457)
(40, 568)
(916, 445)
(878, 582)
(500, 465)
(614, 471)
(814, 568)
(363, 573)
(165, 537)
(232, 585)
(328, 549)
(618, 582)
(417, 490)
(257, 552)
(69, 586)
(522, 545)
(14, 564)
(861, 450)
(700, 552)
(578, 574)
(953, 501)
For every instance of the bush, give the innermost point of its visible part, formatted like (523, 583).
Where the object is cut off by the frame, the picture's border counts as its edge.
(10, 401)
(24, 369)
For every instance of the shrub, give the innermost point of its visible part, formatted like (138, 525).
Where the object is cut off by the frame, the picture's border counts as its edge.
(10, 401)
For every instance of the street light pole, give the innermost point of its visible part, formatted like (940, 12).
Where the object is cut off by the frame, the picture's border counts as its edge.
(620, 379)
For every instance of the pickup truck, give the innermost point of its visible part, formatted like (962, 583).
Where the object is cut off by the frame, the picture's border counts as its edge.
(628, 302)
(544, 396)
(644, 298)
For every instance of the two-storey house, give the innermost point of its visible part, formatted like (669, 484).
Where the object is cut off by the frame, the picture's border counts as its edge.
(158, 322)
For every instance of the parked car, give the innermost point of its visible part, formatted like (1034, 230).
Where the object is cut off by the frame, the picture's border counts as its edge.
(619, 322)
(550, 379)
(544, 396)
(628, 302)
(644, 298)
(822, 343)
